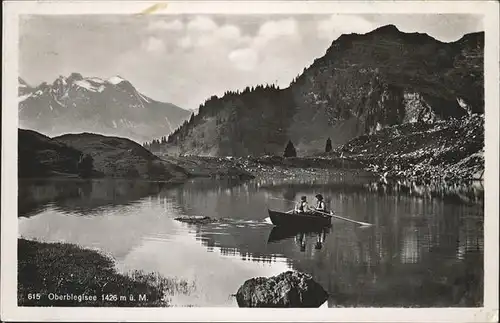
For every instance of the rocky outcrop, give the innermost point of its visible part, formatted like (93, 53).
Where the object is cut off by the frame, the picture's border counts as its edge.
(447, 149)
(214, 167)
(288, 289)
(198, 219)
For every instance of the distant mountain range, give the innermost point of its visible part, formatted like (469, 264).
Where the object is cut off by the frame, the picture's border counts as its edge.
(362, 84)
(89, 104)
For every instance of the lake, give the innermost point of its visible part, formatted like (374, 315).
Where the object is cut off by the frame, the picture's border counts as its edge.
(424, 249)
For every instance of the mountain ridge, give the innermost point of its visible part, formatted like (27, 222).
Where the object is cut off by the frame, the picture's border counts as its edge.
(361, 84)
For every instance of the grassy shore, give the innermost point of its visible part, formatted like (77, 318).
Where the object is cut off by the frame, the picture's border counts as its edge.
(61, 274)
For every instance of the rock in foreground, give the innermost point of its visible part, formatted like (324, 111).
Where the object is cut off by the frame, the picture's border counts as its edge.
(288, 289)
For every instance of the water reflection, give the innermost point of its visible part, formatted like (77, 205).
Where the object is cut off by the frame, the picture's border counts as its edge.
(82, 196)
(419, 251)
(466, 192)
(281, 233)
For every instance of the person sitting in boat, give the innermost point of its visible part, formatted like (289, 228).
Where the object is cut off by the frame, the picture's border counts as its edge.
(320, 204)
(302, 206)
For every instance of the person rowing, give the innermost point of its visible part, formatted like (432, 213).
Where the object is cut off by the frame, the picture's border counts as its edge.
(320, 208)
(320, 204)
(302, 206)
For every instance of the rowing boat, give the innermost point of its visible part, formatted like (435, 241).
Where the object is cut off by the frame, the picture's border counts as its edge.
(299, 220)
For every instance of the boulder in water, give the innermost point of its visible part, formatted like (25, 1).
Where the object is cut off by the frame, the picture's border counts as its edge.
(288, 289)
(197, 219)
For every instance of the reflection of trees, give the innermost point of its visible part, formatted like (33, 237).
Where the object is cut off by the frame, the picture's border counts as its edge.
(468, 192)
(289, 194)
(472, 192)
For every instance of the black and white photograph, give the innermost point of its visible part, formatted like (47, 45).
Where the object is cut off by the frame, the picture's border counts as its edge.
(177, 159)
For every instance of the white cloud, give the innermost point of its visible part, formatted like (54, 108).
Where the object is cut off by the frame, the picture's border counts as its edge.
(203, 32)
(154, 45)
(274, 38)
(277, 28)
(202, 24)
(164, 25)
(185, 42)
(228, 32)
(244, 59)
(336, 25)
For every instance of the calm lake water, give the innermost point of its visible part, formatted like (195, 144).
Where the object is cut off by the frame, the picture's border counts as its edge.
(425, 247)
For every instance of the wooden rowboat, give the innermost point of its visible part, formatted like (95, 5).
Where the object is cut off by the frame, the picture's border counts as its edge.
(299, 220)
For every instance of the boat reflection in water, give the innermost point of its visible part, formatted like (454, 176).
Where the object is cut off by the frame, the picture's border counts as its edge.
(279, 233)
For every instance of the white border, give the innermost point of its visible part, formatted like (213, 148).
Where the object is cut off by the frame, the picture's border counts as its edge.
(9, 309)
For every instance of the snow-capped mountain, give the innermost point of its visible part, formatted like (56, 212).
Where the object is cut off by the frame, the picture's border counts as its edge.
(90, 104)
(23, 88)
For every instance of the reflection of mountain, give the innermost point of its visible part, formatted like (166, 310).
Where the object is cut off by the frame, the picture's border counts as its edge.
(419, 256)
(79, 196)
(221, 198)
(419, 252)
(347, 182)
(113, 216)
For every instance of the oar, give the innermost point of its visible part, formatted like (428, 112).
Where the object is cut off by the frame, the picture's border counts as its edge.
(345, 219)
(274, 198)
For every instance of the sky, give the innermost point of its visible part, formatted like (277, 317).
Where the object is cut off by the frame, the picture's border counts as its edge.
(185, 59)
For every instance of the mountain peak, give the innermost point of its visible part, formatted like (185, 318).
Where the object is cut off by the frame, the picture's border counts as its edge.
(22, 83)
(387, 29)
(75, 77)
(116, 79)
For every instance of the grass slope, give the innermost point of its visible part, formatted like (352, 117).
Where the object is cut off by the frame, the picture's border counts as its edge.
(66, 269)
(121, 157)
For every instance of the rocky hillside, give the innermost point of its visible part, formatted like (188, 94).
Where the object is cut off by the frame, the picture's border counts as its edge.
(362, 84)
(41, 156)
(89, 104)
(449, 149)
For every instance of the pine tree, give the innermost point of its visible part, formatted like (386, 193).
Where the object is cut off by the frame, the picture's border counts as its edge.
(85, 166)
(290, 150)
(328, 146)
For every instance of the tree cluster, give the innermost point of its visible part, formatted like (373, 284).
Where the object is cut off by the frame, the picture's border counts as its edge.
(155, 144)
(214, 105)
(290, 150)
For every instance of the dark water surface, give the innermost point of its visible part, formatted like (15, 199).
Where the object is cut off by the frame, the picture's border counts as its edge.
(424, 248)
